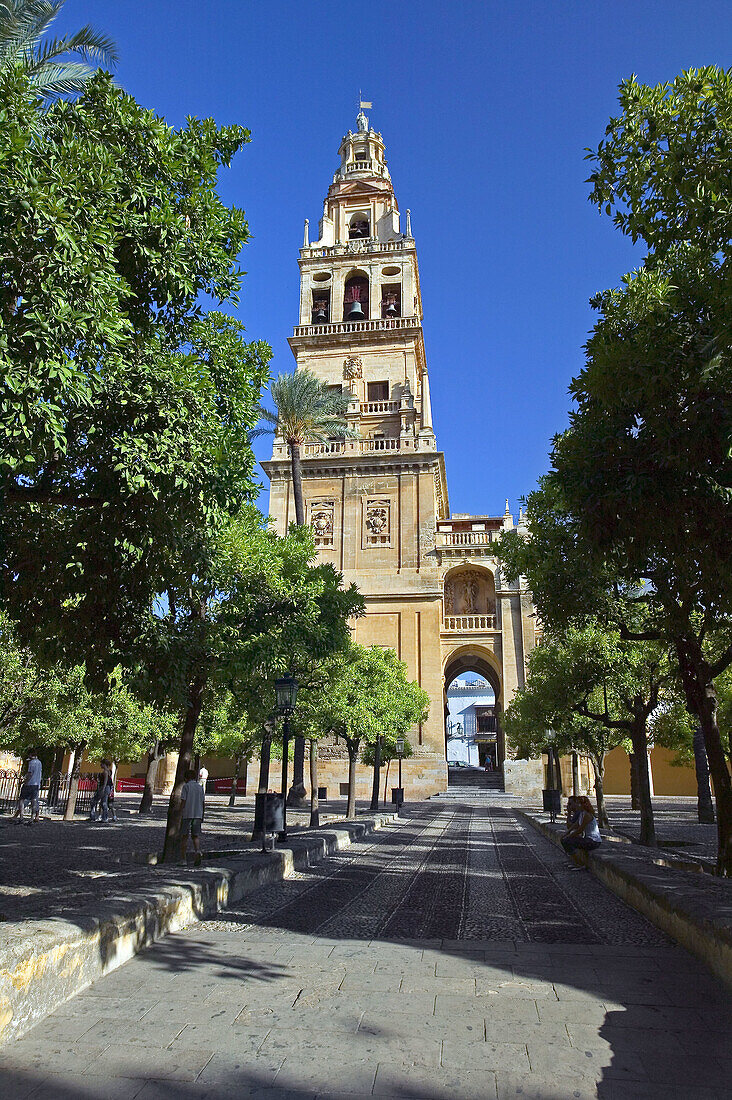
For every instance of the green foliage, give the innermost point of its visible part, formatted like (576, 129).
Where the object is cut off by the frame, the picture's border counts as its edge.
(259, 606)
(664, 166)
(54, 708)
(582, 692)
(125, 409)
(362, 693)
(50, 70)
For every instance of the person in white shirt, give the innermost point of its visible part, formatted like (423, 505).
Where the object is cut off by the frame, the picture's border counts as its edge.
(30, 788)
(193, 799)
(203, 777)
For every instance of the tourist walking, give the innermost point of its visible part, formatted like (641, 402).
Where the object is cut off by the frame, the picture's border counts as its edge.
(193, 799)
(203, 776)
(583, 833)
(30, 789)
(101, 795)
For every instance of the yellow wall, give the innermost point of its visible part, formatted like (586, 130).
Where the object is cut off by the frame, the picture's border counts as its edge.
(667, 780)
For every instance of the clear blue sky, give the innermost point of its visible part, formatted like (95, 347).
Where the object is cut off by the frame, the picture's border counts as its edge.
(485, 108)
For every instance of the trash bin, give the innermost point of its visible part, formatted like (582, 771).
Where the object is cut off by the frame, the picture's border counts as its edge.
(397, 796)
(323, 794)
(552, 801)
(269, 810)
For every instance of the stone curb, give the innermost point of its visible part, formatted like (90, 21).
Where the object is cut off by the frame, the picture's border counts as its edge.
(44, 963)
(671, 899)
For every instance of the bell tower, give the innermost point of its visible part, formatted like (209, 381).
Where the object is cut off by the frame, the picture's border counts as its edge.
(374, 501)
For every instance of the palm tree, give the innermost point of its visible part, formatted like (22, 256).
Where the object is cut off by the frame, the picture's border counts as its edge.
(306, 409)
(22, 25)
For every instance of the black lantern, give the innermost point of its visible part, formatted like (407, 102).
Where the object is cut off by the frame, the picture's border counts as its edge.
(286, 691)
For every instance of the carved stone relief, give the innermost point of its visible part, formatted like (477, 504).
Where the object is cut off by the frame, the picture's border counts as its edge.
(321, 520)
(470, 593)
(353, 367)
(377, 521)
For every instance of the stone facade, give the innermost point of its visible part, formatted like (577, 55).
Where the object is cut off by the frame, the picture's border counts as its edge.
(378, 503)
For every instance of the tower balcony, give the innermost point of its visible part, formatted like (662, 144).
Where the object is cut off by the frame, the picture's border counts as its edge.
(351, 448)
(468, 624)
(350, 328)
(364, 244)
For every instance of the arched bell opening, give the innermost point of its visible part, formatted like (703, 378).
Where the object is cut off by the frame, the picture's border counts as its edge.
(391, 300)
(356, 299)
(359, 226)
(320, 312)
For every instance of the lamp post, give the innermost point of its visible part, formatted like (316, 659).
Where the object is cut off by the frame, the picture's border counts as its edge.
(286, 691)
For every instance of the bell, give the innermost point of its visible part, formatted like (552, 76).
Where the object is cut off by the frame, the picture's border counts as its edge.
(391, 310)
(356, 313)
(320, 316)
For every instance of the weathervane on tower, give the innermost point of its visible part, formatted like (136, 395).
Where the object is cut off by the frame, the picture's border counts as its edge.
(361, 120)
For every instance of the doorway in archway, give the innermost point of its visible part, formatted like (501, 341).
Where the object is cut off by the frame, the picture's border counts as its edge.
(473, 737)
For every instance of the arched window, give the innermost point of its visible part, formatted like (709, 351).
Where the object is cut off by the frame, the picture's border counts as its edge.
(356, 299)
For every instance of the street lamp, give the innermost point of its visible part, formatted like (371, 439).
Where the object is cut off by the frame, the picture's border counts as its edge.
(286, 692)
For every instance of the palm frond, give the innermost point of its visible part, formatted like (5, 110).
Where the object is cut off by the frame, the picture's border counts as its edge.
(22, 24)
(306, 409)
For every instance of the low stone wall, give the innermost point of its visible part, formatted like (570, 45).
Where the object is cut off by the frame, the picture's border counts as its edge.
(44, 963)
(423, 775)
(523, 777)
(692, 908)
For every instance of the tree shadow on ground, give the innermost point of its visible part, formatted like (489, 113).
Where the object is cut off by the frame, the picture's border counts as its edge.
(578, 1012)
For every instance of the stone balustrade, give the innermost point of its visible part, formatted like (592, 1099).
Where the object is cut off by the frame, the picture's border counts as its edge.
(360, 244)
(466, 624)
(464, 538)
(379, 406)
(338, 328)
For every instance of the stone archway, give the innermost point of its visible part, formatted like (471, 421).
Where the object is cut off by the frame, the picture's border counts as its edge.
(481, 660)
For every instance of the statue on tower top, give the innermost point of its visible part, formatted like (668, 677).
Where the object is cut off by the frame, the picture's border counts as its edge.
(361, 121)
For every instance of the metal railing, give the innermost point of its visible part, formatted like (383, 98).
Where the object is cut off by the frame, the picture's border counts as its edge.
(454, 624)
(382, 324)
(53, 795)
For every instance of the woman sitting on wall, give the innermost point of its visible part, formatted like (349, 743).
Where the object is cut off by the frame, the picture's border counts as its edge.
(583, 832)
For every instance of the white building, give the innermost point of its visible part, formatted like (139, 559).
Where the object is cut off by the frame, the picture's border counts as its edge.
(471, 726)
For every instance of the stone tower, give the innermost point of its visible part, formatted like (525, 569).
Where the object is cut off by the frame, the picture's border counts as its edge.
(374, 502)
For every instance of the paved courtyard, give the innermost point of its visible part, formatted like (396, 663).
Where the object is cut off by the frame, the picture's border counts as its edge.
(457, 954)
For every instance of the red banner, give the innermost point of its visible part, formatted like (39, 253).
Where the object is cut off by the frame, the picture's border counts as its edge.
(130, 785)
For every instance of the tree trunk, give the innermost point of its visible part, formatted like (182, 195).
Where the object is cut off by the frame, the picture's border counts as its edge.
(634, 789)
(701, 699)
(386, 780)
(575, 774)
(598, 768)
(352, 757)
(377, 775)
(235, 780)
(297, 792)
(640, 752)
(704, 806)
(74, 785)
(314, 811)
(175, 806)
(296, 468)
(263, 787)
(153, 758)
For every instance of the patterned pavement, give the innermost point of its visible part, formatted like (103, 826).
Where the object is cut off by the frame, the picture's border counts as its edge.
(456, 955)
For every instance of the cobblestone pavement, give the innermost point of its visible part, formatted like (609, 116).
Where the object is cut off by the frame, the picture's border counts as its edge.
(51, 868)
(677, 827)
(458, 954)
